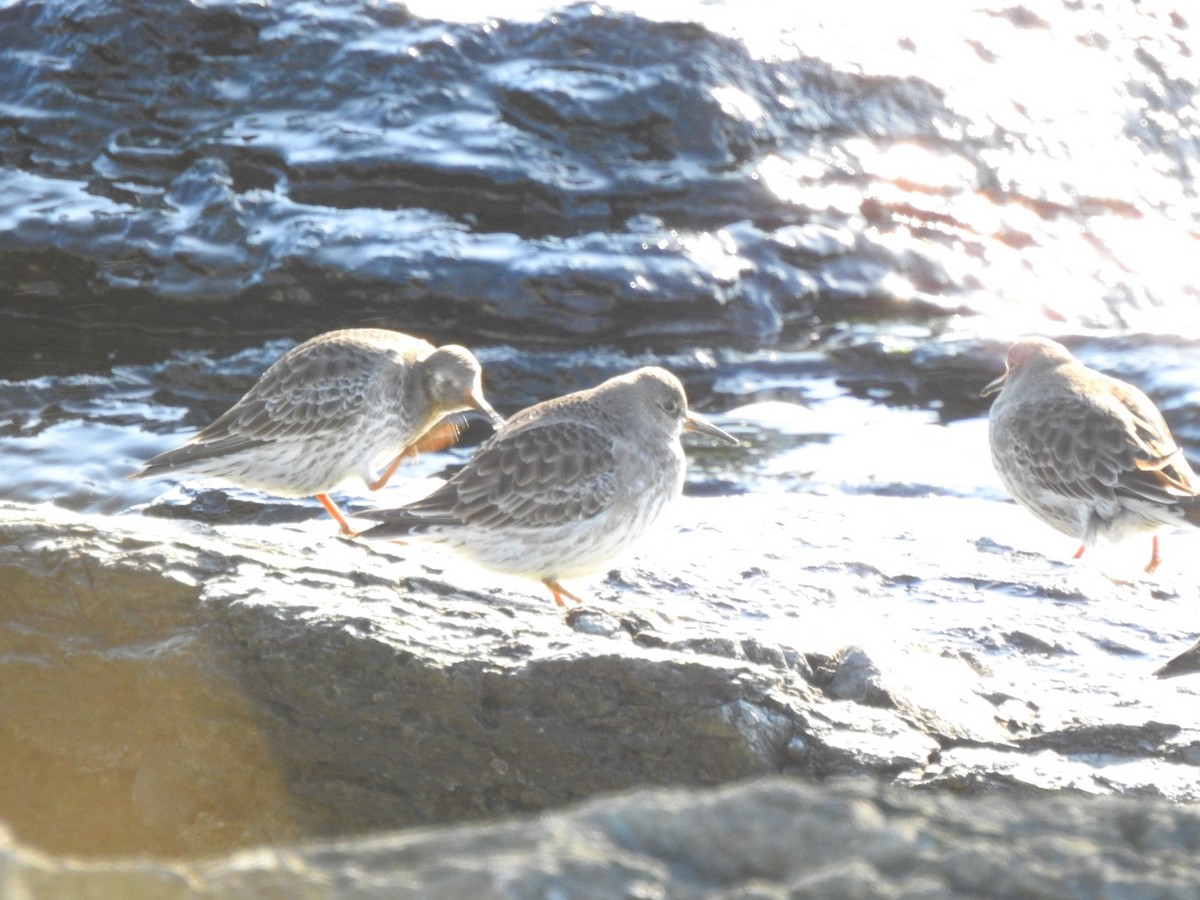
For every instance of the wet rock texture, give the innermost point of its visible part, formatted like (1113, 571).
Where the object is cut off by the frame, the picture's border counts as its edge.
(770, 838)
(192, 693)
(180, 690)
(489, 176)
(596, 176)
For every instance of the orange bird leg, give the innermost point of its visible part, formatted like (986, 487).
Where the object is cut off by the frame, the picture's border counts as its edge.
(1079, 552)
(559, 591)
(331, 508)
(436, 438)
(1155, 559)
(388, 472)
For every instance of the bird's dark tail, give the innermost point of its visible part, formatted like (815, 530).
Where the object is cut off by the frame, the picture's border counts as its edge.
(388, 531)
(404, 521)
(1190, 507)
(1185, 663)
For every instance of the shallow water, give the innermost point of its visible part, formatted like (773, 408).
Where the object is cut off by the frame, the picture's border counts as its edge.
(847, 216)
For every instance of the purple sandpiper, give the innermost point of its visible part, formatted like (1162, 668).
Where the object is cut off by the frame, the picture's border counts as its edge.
(566, 485)
(332, 408)
(1086, 453)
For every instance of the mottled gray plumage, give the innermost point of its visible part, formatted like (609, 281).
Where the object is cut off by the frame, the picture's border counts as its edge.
(564, 486)
(333, 408)
(1086, 453)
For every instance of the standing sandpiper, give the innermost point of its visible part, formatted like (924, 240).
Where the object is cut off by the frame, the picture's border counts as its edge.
(565, 486)
(1084, 452)
(333, 408)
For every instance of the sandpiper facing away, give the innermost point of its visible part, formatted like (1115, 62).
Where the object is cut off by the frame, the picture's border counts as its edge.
(1084, 452)
(565, 486)
(333, 408)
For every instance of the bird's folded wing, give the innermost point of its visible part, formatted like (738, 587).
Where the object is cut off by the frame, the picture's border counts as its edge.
(1072, 452)
(542, 474)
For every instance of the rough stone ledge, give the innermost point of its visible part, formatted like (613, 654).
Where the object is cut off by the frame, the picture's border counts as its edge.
(767, 838)
(180, 689)
(177, 689)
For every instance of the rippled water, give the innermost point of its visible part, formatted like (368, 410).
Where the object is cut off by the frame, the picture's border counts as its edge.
(867, 208)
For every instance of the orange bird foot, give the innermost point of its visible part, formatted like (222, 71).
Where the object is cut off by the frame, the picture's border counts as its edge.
(1155, 559)
(331, 508)
(559, 591)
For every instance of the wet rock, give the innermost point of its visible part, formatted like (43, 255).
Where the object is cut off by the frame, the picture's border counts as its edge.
(769, 839)
(196, 691)
(940, 707)
(598, 174)
(857, 678)
(180, 687)
(845, 737)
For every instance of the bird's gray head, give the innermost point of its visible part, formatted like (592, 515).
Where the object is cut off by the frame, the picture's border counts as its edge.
(1028, 353)
(453, 381)
(660, 395)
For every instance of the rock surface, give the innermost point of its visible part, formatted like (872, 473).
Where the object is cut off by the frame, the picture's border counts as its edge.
(181, 690)
(597, 176)
(178, 692)
(769, 838)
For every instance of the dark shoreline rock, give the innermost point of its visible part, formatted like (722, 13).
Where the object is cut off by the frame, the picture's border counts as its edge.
(177, 689)
(767, 838)
(186, 169)
(208, 695)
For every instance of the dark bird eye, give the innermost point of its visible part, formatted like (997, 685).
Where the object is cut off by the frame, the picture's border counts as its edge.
(671, 407)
